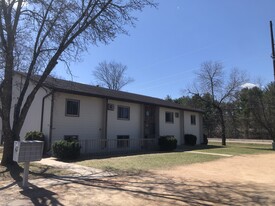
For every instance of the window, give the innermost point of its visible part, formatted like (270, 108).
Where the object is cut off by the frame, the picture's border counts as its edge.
(169, 117)
(193, 119)
(71, 138)
(123, 113)
(72, 107)
(122, 141)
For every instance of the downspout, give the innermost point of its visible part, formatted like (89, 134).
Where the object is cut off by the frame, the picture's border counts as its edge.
(105, 124)
(51, 121)
(106, 118)
(42, 111)
(51, 118)
(182, 130)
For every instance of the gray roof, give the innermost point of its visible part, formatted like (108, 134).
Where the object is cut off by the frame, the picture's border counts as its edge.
(89, 90)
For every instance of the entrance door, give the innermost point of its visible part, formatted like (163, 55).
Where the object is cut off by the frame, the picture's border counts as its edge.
(149, 121)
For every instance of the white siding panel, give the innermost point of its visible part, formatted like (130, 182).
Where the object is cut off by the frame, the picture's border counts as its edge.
(130, 127)
(33, 118)
(192, 129)
(88, 125)
(169, 128)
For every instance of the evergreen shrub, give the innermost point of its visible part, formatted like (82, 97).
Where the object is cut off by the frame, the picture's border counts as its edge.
(190, 139)
(66, 150)
(167, 143)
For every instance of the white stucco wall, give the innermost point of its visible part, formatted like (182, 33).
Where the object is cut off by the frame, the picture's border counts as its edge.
(88, 125)
(131, 127)
(192, 129)
(33, 118)
(167, 128)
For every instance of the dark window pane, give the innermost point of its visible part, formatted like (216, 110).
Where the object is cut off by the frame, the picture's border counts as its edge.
(123, 113)
(169, 117)
(72, 107)
(122, 141)
(193, 119)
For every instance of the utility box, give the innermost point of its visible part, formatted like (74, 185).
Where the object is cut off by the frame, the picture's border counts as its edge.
(27, 151)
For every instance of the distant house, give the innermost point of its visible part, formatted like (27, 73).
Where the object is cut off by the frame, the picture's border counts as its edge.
(103, 119)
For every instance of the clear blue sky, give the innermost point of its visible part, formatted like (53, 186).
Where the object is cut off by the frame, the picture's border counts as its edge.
(169, 43)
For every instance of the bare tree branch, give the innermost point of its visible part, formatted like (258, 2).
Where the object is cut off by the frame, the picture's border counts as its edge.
(37, 35)
(112, 75)
(211, 80)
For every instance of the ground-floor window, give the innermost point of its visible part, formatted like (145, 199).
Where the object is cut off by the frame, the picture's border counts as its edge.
(71, 137)
(123, 141)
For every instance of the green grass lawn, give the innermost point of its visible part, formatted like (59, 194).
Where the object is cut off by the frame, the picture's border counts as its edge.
(168, 160)
(147, 161)
(237, 148)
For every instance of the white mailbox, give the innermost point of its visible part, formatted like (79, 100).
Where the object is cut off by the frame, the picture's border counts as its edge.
(27, 151)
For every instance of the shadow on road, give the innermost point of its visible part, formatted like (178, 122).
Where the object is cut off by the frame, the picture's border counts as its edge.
(136, 188)
(37, 195)
(151, 188)
(41, 196)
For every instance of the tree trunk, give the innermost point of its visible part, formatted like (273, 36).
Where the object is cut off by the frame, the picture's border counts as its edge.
(9, 137)
(223, 127)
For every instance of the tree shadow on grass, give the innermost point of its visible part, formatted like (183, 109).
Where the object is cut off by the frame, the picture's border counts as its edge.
(181, 148)
(198, 147)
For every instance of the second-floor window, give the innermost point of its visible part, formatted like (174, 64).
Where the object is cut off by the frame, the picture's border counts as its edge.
(123, 113)
(169, 117)
(72, 107)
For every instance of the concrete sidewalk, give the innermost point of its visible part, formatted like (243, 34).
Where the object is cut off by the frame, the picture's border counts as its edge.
(79, 170)
(244, 141)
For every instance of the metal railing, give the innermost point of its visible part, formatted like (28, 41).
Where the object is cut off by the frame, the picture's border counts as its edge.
(116, 145)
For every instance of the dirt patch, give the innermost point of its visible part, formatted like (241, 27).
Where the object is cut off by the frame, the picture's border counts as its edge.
(241, 180)
(247, 168)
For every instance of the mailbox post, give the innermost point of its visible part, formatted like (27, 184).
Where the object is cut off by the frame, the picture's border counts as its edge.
(27, 151)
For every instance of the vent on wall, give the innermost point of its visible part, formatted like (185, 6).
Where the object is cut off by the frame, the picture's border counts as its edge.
(111, 107)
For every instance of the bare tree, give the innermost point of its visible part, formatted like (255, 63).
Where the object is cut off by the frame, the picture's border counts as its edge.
(37, 34)
(211, 80)
(112, 75)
